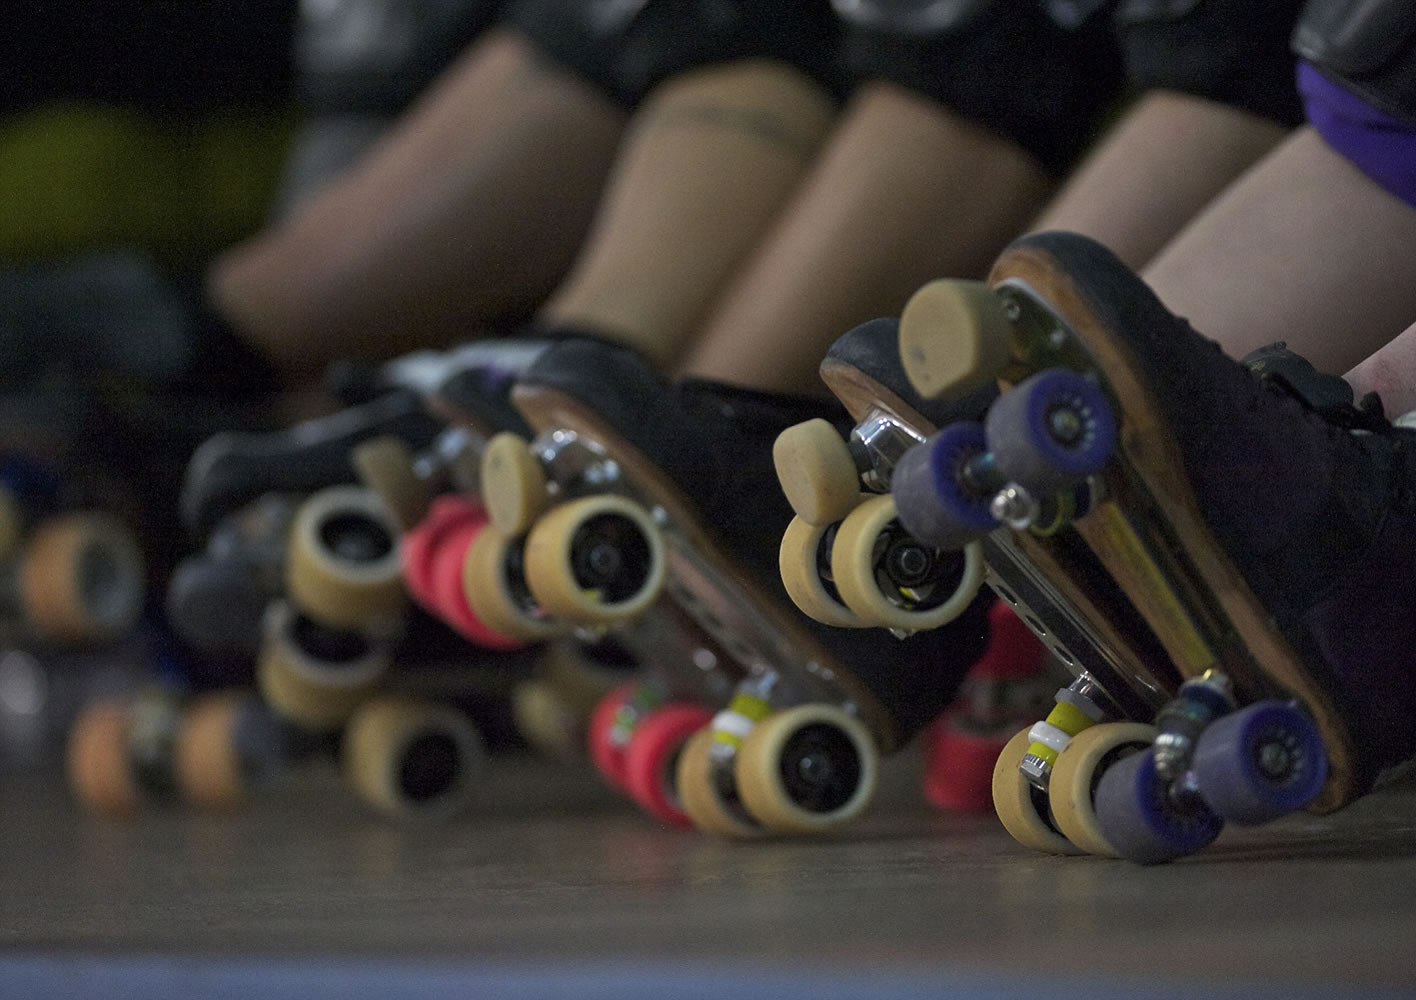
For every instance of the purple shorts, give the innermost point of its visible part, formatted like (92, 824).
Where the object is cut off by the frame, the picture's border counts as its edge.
(1380, 145)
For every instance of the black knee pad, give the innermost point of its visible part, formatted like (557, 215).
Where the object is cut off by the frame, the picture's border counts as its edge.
(1234, 52)
(374, 56)
(625, 48)
(1369, 48)
(1007, 66)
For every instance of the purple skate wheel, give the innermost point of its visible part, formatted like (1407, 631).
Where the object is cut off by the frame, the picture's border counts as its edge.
(1260, 763)
(1052, 430)
(934, 500)
(1143, 821)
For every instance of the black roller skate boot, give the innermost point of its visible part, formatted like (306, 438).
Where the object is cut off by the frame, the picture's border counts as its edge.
(637, 488)
(1246, 520)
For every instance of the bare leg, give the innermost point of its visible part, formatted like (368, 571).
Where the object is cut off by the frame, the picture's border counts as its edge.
(1391, 372)
(905, 191)
(470, 209)
(1156, 169)
(711, 158)
(1304, 249)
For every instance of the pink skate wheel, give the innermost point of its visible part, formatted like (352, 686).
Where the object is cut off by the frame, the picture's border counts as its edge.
(958, 767)
(1013, 652)
(421, 542)
(651, 759)
(434, 552)
(605, 751)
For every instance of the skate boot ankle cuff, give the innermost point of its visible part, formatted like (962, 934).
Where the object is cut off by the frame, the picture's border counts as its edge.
(1324, 394)
(758, 406)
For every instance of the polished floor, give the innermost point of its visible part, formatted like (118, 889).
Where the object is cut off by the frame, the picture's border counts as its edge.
(553, 887)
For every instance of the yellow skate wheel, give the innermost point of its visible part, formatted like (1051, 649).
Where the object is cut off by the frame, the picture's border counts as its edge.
(888, 578)
(385, 466)
(513, 484)
(1021, 808)
(546, 721)
(100, 771)
(1078, 768)
(799, 560)
(12, 523)
(344, 568)
(806, 770)
(596, 560)
(82, 579)
(494, 586)
(954, 338)
(584, 674)
(412, 759)
(702, 797)
(207, 756)
(314, 676)
(816, 471)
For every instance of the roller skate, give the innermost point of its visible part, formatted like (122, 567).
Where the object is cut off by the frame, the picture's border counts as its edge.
(637, 494)
(1233, 539)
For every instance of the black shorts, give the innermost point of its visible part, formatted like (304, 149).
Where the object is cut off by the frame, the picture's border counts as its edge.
(1235, 52)
(625, 56)
(1012, 70)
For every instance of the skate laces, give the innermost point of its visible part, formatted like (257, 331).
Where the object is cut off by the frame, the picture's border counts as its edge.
(1328, 396)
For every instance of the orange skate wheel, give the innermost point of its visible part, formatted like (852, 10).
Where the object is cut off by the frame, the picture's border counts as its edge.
(954, 338)
(345, 569)
(412, 759)
(513, 484)
(816, 471)
(82, 579)
(866, 542)
(712, 808)
(596, 560)
(1021, 808)
(209, 757)
(385, 466)
(807, 769)
(313, 676)
(799, 561)
(100, 770)
(495, 590)
(1077, 770)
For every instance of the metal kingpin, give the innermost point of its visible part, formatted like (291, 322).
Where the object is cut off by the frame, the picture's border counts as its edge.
(1014, 506)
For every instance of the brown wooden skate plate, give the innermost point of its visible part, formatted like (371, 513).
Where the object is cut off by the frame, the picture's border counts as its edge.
(756, 628)
(1201, 573)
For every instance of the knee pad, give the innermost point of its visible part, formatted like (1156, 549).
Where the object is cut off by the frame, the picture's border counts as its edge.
(626, 47)
(1369, 48)
(1006, 66)
(1234, 52)
(374, 56)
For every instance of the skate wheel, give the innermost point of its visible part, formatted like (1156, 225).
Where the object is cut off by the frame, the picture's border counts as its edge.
(1022, 808)
(934, 501)
(584, 672)
(1052, 430)
(1013, 653)
(807, 769)
(385, 466)
(495, 592)
(651, 760)
(412, 759)
(99, 768)
(954, 338)
(207, 753)
(12, 523)
(596, 560)
(314, 676)
(606, 750)
(1262, 762)
(513, 484)
(546, 722)
(958, 774)
(800, 560)
(888, 578)
(816, 471)
(344, 568)
(82, 579)
(447, 586)
(1077, 771)
(1140, 818)
(712, 808)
